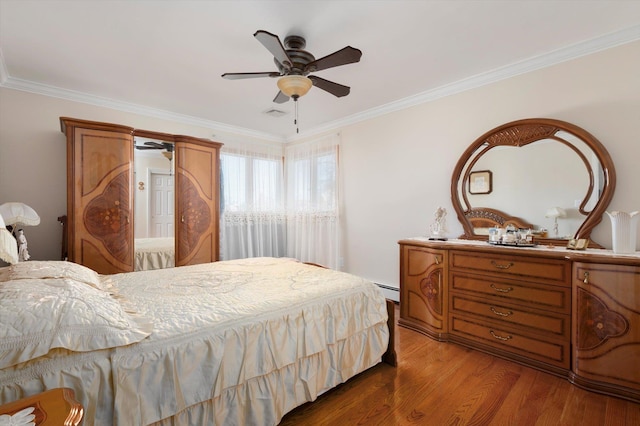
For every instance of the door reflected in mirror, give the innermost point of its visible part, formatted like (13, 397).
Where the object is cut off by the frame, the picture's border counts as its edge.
(154, 209)
(154, 204)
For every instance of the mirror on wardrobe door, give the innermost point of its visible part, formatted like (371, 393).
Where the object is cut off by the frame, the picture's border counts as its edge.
(154, 204)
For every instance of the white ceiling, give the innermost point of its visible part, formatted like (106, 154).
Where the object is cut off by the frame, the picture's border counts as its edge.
(165, 58)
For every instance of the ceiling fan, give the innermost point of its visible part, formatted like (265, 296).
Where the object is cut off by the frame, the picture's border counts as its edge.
(156, 145)
(166, 146)
(294, 64)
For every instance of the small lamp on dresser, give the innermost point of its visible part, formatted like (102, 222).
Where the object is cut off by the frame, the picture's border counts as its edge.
(555, 213)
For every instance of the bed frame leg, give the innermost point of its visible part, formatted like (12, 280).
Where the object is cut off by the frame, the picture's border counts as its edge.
(389, 356)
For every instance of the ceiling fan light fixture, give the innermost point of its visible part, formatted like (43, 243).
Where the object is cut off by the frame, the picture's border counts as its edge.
(294, 86)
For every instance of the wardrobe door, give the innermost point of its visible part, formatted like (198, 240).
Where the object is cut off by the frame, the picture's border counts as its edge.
(197, 200)
(99, 195)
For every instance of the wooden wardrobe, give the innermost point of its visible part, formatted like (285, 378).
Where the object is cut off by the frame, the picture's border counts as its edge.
(100, 190)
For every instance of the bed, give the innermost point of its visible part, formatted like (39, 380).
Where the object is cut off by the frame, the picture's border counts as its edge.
(154, 253)
(233, 342)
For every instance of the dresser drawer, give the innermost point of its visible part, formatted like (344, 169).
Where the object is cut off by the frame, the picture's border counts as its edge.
(548, 297)
(553, 352)
(554, 271)
(535, 321)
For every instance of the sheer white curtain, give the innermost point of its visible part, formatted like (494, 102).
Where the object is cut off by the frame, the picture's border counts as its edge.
(253, 220)
(313, 225)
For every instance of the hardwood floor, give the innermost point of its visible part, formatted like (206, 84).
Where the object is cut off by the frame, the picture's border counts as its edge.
(446, 384)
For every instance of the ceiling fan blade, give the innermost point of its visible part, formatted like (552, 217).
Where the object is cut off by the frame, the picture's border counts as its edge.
(155, 145)
(242, 75)
(274, 45)
(334, 88)
(348, 55)
(146, 147)
(280, 98)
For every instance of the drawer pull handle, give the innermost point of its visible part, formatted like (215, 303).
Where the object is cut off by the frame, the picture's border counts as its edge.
(504, 339)
(507, 266)
(437, 260)
(502, 314)
(501, 290)
(586, 278)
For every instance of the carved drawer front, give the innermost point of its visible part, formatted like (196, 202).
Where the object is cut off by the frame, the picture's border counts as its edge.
(423, 289)
(553, 271)
(512, 340)
(548, 297)
(535, 321)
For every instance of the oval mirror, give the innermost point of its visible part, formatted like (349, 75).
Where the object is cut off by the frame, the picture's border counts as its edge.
(546, 175)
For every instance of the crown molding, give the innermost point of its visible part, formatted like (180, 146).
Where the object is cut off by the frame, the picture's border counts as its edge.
(558, 56)
(608, 41)
(71, 95)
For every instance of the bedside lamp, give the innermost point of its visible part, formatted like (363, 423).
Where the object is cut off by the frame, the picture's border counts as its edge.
(15, 215)
(555, 213)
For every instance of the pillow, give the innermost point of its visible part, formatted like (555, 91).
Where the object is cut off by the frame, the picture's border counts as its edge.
(51, 269)
(37, 315)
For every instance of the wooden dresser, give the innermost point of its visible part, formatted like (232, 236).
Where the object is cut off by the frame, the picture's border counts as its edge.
(575, 314)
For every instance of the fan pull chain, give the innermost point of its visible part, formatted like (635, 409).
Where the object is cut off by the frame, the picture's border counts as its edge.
(295, 120)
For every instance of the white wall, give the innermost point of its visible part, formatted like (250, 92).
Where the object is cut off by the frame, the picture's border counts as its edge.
(397, 167)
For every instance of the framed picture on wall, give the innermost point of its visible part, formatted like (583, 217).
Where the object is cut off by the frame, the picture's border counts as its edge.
(480, 182)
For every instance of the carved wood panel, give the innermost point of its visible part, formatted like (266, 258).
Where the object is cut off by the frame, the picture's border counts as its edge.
(596, 322)
(422, 290)
(195, 215)
(431, 288)
(197, 202)
(607, 328)
(100, 199)
(107, 217)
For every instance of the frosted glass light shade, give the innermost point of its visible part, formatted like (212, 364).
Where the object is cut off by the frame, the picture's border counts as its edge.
(294, 86)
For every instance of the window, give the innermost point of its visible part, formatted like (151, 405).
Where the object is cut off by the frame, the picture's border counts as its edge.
(251, 183)
(313, 225)
(255, 219)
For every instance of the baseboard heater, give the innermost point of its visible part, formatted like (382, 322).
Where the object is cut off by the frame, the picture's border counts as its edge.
(387, 287)
(392, 293)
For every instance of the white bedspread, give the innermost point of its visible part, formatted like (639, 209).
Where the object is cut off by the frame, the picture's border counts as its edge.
(254, 337)
(154, 253)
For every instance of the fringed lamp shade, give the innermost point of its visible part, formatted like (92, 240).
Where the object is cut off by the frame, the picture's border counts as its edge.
(19, 214)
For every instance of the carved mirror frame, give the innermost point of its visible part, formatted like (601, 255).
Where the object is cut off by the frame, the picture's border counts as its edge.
(518, 134)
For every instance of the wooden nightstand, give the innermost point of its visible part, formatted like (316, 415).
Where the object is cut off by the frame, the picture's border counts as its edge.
(54, 407)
